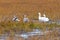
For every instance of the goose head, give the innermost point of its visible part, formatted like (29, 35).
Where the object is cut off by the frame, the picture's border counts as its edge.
(39, 14)
(44, 15)
(25, 16)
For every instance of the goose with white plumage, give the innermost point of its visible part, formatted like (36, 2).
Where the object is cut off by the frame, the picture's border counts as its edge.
(43, 19)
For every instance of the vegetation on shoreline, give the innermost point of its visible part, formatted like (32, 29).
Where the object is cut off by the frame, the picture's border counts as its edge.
(12, 27)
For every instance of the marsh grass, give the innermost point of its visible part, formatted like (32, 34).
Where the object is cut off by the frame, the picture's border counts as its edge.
(13, 27)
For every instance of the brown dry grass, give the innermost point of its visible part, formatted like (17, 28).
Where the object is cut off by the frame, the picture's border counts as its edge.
(8, 8)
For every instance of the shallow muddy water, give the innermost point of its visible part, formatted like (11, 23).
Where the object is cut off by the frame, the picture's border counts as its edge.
(25, 36)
